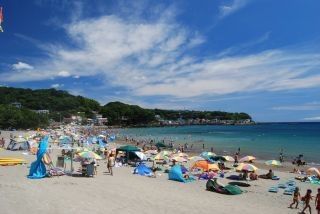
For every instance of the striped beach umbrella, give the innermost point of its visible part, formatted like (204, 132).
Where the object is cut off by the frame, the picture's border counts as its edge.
(246, 167)
(273, 163)
(179, 159)
(247, 158)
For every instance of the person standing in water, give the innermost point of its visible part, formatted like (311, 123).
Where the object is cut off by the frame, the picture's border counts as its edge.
(281, 156)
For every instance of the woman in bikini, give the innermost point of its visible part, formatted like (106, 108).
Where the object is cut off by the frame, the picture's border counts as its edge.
(296, 197)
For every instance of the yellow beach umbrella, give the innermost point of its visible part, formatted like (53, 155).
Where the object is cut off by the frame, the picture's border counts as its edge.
(89, 154)
(246, 167)
(247, 158)
(164, 155)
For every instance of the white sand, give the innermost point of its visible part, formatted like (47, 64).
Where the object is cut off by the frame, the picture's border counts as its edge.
(128, 193)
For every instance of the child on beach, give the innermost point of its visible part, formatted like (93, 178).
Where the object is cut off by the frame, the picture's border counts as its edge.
(306, 200)
(317, 201)
(296, 197)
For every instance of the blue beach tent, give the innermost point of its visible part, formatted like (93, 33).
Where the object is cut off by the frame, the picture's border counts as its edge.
(176, 174)
(38, 169)
(143, 170)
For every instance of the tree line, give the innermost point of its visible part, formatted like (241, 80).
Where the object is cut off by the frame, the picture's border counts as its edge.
(62, 104)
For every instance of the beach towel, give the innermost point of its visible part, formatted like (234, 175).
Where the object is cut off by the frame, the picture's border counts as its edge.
(38, 168)
(282, 186)
(291, 183)
(273, 189)
(275, 178)
(289, 190)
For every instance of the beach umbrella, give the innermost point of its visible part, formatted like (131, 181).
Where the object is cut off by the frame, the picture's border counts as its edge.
(81, 149)
(151, 152)
(313, 170)
(164, 155)
(247, 158)
(179, 159)
(229, 158)
(207, 154)
(273, 163)
(181, 154)
(141, 156)
(89, 155)
(246, 167)
(196, 158)
(217, 158)
(205, 165)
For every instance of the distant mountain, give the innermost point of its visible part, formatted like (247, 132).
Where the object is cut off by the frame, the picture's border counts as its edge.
(62, 104)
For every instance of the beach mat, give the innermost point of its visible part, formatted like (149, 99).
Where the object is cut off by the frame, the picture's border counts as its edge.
(273, 189)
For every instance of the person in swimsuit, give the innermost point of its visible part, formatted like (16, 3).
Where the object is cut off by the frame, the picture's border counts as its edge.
(317, 201)
(306, 200)
(296, 197)
(110, 163)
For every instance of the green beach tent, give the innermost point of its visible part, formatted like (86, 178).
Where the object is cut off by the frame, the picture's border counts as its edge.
(128, 148)
(160, 145)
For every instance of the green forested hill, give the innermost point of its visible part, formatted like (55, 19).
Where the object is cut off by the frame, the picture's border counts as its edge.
(62, 104)
(49, 99)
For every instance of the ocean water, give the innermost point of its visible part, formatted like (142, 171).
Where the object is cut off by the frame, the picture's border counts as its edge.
(264, 140)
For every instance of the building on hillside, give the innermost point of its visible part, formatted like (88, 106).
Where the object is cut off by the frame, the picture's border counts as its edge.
(99, 120)
(43, 111)
(16, 104)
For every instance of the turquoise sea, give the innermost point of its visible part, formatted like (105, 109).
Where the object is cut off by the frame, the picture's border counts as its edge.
(264, 140)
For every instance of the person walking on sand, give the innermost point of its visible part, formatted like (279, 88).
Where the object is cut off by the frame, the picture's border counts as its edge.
(307, 198)
(317, 201)
(296, 197)
(110, 163)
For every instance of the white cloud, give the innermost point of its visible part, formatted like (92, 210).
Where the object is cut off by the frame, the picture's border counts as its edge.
(76, 76)
(312, 118)
(57, 85)
(22, 66)
(235, 5)
(64, 74)
(148, 58)
(305, 107)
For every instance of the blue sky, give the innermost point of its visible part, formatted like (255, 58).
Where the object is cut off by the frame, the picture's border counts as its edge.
(256, 56)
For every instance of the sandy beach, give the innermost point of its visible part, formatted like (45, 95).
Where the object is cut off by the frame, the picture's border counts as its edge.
(128, 193)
